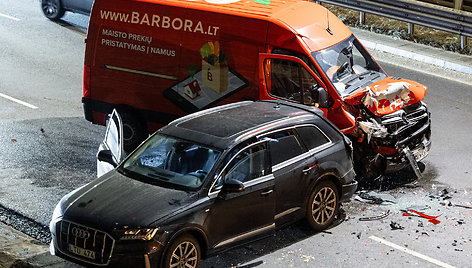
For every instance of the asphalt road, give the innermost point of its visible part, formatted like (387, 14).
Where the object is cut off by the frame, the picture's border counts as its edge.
(48, 149)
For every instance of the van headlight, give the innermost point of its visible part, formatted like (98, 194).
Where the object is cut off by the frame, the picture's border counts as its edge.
(373, 129)
(139, 234)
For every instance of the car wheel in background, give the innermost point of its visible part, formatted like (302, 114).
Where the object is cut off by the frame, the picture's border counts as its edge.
(183, 252)
(52, 9)
(323, 205)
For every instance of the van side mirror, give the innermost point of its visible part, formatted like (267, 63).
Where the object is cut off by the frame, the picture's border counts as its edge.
(323, 98)
(106, 156)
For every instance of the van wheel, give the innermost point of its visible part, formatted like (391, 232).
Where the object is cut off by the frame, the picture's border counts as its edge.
(183, 252)
(323, 205)
(133, 132)
(52, 9)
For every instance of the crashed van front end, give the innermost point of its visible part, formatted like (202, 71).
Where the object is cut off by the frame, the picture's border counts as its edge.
(384, 116)
(393, 128)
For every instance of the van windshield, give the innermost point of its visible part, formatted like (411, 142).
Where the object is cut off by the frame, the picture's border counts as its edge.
(172, 161)
(348, 66)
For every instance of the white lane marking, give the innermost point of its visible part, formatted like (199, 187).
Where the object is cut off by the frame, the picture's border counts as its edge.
(9, 17)
(411, 252)
(18, 101)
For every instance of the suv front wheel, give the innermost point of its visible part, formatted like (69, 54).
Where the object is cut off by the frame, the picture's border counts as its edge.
(323, 205)
(184, 252)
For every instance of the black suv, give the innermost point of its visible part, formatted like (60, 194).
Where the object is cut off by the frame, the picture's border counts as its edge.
(204, 183)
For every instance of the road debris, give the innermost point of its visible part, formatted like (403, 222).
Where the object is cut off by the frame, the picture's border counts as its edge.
(396, 226)
(13, 140)
(374, 198)
(462, 206)
(432, 219)
(378, 217)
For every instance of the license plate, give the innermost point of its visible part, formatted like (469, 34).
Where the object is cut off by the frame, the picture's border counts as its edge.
(82, 252)
(420, 153)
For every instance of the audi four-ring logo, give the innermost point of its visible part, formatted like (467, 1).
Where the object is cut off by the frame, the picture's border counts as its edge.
(80, 233)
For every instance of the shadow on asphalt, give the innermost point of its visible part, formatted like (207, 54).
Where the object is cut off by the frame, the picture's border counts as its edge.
(245, 256)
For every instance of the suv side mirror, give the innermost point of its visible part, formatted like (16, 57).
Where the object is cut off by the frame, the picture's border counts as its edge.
(106, 156)
(232, 186)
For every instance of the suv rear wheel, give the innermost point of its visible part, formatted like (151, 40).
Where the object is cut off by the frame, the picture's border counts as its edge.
(52, 9)
(323, 205)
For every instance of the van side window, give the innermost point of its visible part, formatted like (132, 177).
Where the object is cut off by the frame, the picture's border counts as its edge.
(290, 80)
(304, 58)
(312, 137)
(284, 145)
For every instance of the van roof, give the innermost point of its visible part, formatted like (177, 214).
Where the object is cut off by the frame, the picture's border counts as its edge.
(302, 17)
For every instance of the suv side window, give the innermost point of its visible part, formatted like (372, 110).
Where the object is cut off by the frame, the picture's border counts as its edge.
(246, 165)
(290, 80)
(284, 145)
(312, 136)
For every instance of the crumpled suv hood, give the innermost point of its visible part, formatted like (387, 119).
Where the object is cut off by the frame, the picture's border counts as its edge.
(388, 95)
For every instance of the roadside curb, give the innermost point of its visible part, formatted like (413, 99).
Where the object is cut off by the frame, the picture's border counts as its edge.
(18, 250)
(418, 52)
(418, 57)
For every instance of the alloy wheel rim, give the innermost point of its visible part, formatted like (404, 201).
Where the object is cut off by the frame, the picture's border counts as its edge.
(185, 255)
(324, 205)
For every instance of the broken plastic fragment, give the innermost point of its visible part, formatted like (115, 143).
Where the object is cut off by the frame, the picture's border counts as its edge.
(381, 216)
(375, 198)
(462, 206)
(396, 226)
(432, 219)
(13, 140)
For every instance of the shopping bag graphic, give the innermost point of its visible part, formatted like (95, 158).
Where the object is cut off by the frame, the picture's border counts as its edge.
(215, 76)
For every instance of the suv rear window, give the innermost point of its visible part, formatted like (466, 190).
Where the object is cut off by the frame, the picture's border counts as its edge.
(284, 147)
(312, 137)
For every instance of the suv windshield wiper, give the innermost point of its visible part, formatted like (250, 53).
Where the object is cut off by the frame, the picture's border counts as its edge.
(158, 175)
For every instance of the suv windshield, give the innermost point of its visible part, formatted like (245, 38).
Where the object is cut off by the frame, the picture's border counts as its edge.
(348, 66)
(173, 161)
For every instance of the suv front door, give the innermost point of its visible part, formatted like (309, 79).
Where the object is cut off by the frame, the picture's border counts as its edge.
(248, 213)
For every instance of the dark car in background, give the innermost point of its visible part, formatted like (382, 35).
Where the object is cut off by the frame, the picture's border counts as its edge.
(55, 9)
(204, 183)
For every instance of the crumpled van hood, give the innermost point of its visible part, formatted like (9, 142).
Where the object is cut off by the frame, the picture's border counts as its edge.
(388, 95)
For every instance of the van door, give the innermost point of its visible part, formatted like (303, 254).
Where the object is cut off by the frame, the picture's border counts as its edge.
(110, 152)
(289, 78)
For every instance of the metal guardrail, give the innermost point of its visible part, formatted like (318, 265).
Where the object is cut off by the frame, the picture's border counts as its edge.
(436, 17)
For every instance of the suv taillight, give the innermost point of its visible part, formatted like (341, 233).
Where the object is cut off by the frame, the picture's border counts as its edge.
(86, 81)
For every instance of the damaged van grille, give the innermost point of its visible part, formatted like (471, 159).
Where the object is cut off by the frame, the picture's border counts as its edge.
(409, 126)
(84, 243)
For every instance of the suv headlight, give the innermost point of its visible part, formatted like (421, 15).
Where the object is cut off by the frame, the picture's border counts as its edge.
(139, 234)
(373, 129)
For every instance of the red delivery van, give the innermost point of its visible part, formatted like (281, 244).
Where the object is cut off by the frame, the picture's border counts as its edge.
(154, 61)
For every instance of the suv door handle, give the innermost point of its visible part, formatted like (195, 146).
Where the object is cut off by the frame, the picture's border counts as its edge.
(308, 169)
(268, 192)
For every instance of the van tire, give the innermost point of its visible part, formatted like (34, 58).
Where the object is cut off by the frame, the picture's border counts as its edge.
(133, 132)
(52, 9)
